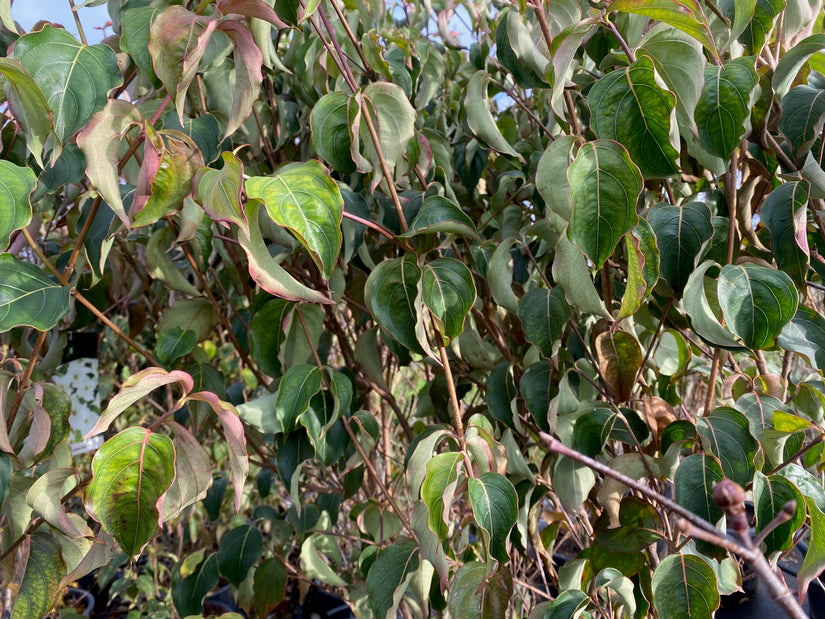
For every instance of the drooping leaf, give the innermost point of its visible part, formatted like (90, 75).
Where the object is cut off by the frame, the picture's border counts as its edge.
(694, 481)
(629, 107)
(538, 386)
(702, 306)
(203, 130)
(439, 488)
(174, 344)
(571, 272)
(793, 60)
(511, 33)
(568, 605)
(770, 494)
(500, 276)
(764, 15)
(684, 587)
(480, 119)
(803, 116)
(501, 393)
(135, 25)
(303, 198)
(193, 474)
(330, 131)
(543, 315)
(28, 297)
(681, 233)
(448, 291)
(389, 576)
(604, 186)
(240, 549)
(45, 568)
(686, 15)
(130, 474)
(45, 496)
(248, 72)
(552, 186)
(474, 592)
(16, 185)
(620, 358)
(188, 591)
(438, 214)
(75, 78)
(757, 302)
(298, 386)
(724, 108)
(391, 292)
(785, 215)
(266, 334)
(495, 509)
(642, 267)
(29, 105)
(563, 51)
(805, 334)
(814, 561)
(725, 433)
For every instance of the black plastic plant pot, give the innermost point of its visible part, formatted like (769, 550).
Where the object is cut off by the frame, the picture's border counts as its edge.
(816, 598)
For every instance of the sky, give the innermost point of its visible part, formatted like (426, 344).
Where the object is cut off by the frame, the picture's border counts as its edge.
(29, 12)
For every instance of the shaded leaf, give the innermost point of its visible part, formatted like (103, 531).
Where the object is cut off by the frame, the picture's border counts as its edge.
(702, 306)
(785, 215)
(16, 185)
(438, 214)
(269, 585)
(770, 494)
(553, 187)
(438, 490)
(391, 292)
(694, 481)
(803, 116)
(248, 74)
(543, 315)
(480, 119)
(805, 334)
(298, 386)
(495, 509)
(240, 549)
(475, 592)
(389, 576)
(188, 591)
(135, 25)
(44, 569)
(28, 297)
(330, 131)
(764, 14)
(266, 334)
(448, 291)
(29, 105)
(792, 61)
(643, 257)
(620, 358)
(725, 434)
(193, 474)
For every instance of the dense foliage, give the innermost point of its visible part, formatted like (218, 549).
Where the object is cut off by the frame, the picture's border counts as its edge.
(461, 309)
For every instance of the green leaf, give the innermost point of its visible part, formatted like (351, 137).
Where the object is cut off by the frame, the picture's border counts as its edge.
(219, 191)
(203, 130)
(544, 314)
(240, 549)
(757, 302)
(725, 434)
(330, 131)
(130, 474)
(438, 214)
(475, 592)
(195, 314)
(686, 15)
(678, 60)
(438, 490)
(620, 358)
(805, 334)
(792, 61)
(303, 198)
(266, 334)
(448, 291)
(571, 272)
(512, 23)
(604, 187)
(495, 509)
(6, 473)
(740, 14)
(188, 592)
(702, 306)
(770, 494)
(135, 26)
(501, 393)
(684, 587)
(641, 526)
(803, 116)
(175, 343)
(389, 576)
(563, 51)
(552, 186)
(629, 107)
(248, 72)
(29, 105)
(642, 268)
(269, 585)
(814, 561)
(784, 213)
(765, 12)
(28, 297)
(45, 568)
(16, 185)
(724, 109)
(538, 386)
(694, 481)
(391, 292)
(193, 474)
(681, 233)
(480, 119)
(298, 386)
(568, 605)
(500, 276)
(75, 78)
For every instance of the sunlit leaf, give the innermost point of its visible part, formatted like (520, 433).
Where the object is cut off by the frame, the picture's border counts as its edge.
(770, 494)
(684, 587)
(16, 184)
(28, 297)
(686, 15)
(479, 117)
(448, 291)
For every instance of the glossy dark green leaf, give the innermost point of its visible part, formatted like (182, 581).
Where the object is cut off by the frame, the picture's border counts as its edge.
(543, 315)
(438, 214)
(75, 78)
(681, 232)
(70, 167)
(757, 302)
(764, 15)
(785, 215)
(592, 430)
(501, 393)
(240, 549)
(480, 119)
(725, 433)
(694, 481)
(538, 386)
(643, 266)
(6, 473)
(805, 334)
(130, 473)
(604, 187)
(495, 509)
(684, 587)
(270, 585)
(389, 576)
(620, 358)
(641, 526)
(628, 106)
(28, 297)
(448, 291)
(391, 292)
(475, 592)
(770, 494)
(266, 334)
(204, 130)
(45, 568)
(175, 343)
(803, 115)
(439, 488)
(723, 112)
(686, 15)
(330, 131)
(303, 198)
(16, 185)
(188, 591)
(297, 387)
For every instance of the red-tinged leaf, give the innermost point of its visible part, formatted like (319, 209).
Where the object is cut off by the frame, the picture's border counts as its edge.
(219, 192)
(177, 42)
(251, 8)
(138, 386)
(100, 142)
(44, 498)
(193, 474)
(248, 75)
(235, 439)
(43, 567)
(40, 429)
(266, 271)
